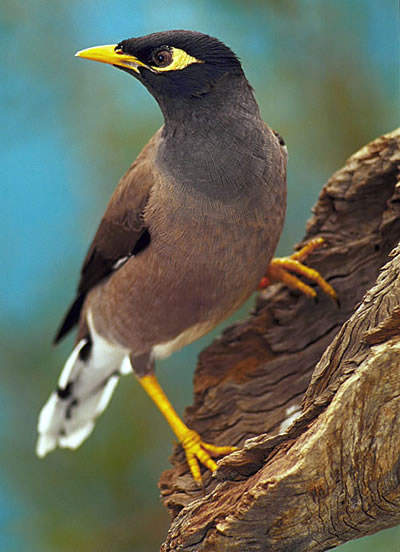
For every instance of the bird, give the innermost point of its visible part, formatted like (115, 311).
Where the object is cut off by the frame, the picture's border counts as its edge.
(188, 235)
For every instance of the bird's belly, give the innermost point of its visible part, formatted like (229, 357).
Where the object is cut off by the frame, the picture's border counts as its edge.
(163, 350)
(145, 307)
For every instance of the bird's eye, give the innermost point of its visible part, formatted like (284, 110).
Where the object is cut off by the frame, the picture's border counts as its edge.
(162, 58)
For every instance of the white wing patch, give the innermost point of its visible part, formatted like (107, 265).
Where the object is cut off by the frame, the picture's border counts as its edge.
(120, 262)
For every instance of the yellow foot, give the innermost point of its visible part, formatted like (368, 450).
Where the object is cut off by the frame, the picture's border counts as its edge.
(197, 451)
(278, 271)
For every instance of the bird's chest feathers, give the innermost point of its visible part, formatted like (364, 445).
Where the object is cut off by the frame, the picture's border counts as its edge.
(193, 226)
(217, 192)
(214, 161)
(202, 227)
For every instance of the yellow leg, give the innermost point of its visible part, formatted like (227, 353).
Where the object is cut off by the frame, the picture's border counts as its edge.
(195, 449)
(278, 271)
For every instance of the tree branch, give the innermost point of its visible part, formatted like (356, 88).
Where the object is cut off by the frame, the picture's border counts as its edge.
(320, 462)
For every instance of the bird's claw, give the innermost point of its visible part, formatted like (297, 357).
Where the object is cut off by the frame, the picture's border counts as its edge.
(197, 451)
(280, 269)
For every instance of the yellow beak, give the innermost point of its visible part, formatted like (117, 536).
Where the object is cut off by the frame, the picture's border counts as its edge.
(109, 53)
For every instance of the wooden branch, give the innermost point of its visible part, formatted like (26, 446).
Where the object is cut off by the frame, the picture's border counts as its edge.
(320, 462)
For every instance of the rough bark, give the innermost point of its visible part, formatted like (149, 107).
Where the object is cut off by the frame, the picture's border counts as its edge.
(310, 391)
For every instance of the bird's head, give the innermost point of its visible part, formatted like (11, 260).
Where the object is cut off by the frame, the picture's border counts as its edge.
(171, 64)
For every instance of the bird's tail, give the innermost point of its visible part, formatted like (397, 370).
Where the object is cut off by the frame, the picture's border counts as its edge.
(84, 390)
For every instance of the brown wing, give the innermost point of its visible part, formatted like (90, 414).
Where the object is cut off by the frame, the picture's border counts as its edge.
(122, 232)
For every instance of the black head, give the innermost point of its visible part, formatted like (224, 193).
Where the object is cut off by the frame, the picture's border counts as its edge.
(174, 64)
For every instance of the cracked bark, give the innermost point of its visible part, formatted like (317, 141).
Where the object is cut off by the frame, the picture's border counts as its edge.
(310, 391)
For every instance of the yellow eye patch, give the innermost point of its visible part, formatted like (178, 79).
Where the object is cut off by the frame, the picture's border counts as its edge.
(180, 60)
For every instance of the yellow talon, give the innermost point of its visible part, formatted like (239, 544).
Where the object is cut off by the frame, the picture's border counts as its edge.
(307, 249)
(280, 268)
(195, 449)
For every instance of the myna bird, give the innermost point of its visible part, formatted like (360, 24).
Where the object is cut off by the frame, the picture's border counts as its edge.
(186, 238)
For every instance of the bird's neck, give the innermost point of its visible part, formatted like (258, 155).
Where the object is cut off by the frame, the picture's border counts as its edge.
(232, 96)
(210, 143)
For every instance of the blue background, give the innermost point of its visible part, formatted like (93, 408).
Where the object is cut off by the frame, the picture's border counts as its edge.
(326, 77)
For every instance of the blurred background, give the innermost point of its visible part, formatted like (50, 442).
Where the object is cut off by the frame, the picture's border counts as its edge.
(326, 77)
